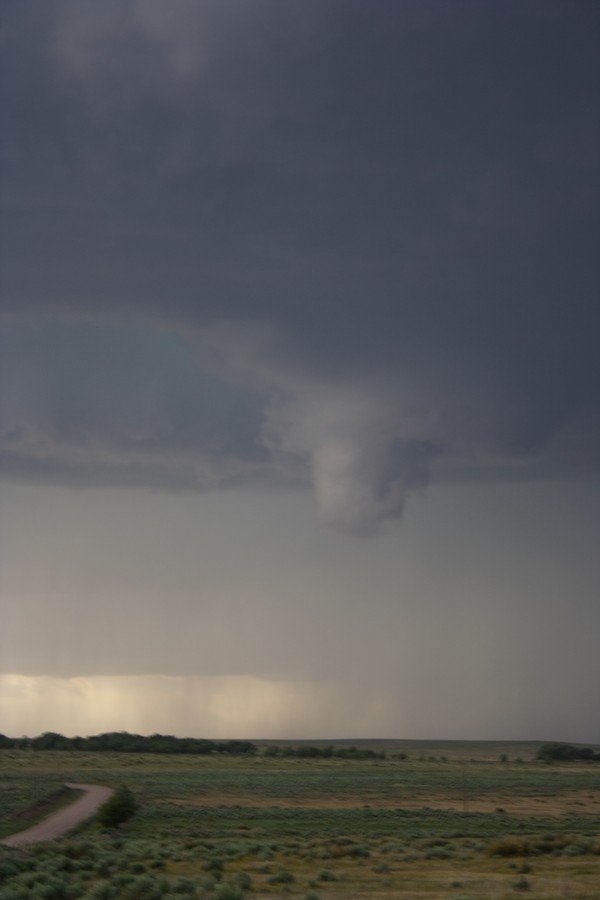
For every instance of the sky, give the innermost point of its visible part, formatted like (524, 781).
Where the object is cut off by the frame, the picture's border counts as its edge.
(299, 369)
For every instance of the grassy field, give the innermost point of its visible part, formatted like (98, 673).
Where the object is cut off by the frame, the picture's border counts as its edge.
(453, 820)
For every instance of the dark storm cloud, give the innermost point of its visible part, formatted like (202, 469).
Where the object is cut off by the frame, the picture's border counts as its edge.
(91, 405)
(384, 218)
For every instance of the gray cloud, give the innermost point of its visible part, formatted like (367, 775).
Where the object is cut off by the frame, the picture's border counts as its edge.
(93, 405)
(373, 230)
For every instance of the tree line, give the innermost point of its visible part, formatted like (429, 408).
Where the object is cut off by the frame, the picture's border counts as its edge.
(559, 752)
(329, 752)
(123, 742)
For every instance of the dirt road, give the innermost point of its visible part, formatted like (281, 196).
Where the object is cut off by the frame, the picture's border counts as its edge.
(63, 820)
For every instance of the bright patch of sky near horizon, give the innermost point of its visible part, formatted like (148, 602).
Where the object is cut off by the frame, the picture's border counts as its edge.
(299, 405)
(454, 626)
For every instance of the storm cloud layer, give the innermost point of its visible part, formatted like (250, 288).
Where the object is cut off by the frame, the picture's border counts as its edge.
(346, 245)
(271, 266)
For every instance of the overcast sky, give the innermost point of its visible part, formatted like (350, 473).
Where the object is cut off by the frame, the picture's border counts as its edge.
(299, 368)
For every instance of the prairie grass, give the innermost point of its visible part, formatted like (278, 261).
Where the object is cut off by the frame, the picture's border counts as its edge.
(437, 825)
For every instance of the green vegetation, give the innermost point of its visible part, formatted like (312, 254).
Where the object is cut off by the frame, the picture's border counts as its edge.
(330, 751)
(123, 742)
(566, 752)
(226, 827)
(118, 808)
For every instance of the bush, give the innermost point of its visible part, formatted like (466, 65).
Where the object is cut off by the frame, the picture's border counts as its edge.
(183, 886)
(509, 846)
(118, 808)
(101, 891)
(438, 853)
(327, 875)
(283, 877)
(143, 888)
(243, 880)
(53, 890)
(229, 892)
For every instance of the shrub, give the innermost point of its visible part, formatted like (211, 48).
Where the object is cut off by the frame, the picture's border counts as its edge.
(118, 808)
(101, 891)
(143, 888)
(53, 890)
(243, 880)
(359, 851)
(229, 892)
(438, 853)
(283, 877)
(214, 866)
(327, 875)
(509, 846)
(183, 886)
(8, 870)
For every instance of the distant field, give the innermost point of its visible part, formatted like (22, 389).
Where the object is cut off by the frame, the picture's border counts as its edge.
(450, 821)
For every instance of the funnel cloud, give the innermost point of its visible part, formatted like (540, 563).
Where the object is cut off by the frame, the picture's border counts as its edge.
(278, 278)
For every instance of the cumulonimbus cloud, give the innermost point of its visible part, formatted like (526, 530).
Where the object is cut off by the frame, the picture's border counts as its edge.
(325, 284)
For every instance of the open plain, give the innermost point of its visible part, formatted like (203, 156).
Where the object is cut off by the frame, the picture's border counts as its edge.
(451, 820)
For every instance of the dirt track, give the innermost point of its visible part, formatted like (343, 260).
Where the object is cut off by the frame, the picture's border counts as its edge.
(65, 819)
